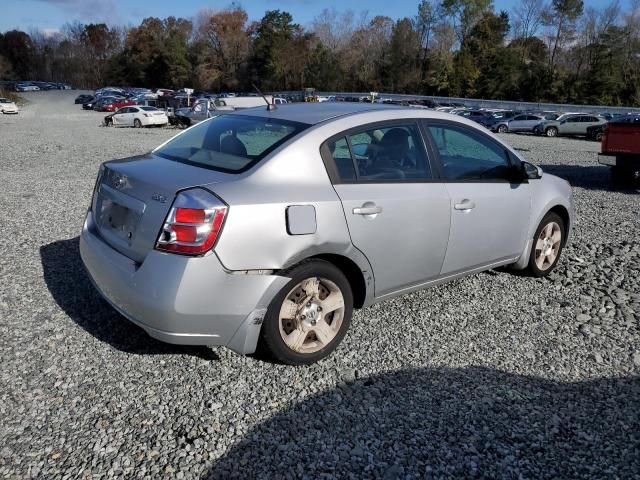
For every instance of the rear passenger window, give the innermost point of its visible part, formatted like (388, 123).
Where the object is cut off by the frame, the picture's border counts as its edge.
(466, 155)
(342, 158)
(390, 153)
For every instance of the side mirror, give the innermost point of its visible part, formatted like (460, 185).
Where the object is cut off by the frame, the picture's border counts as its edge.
(531, 171)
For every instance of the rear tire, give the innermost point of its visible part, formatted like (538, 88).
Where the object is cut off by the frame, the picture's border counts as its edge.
(310, 316)
(137, 123)
(599, 136)
(551, 132)
(548, 242)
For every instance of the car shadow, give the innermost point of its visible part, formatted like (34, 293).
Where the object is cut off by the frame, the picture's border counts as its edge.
(448, 423)
(70, 287)
(592, 177)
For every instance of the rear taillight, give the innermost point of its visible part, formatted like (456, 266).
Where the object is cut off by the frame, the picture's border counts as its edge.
(147, 114)
(193, 224)
(97, 185)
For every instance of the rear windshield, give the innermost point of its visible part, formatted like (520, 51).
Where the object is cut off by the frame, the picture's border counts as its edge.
(230, 143)
(149, 109)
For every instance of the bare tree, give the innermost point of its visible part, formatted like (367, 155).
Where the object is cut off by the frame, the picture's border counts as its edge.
(561, 18)
(334, 29)
(527, 18)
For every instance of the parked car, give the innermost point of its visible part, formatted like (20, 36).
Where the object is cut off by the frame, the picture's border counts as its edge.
(83, 98)
(100, 104)
(525, 122)
(474, 114)
(7, 106)
(271, 225)
(137, 117)
(26, 87)
(90, 104)
(497, 121)
(570, 124)
(201, 110)
(621, 149)
(116, 105)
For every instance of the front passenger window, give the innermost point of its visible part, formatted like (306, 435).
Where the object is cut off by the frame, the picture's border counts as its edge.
(466, 155)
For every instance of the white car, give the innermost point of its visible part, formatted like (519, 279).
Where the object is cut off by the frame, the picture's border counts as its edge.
(23, 87)
(7, 106)
(138, 117)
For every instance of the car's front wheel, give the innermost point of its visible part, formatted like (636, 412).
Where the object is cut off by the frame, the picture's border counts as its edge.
(551, 132)
(503, 129)
(310, 316)
(547, 245)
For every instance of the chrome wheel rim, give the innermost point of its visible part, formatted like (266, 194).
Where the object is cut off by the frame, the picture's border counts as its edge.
(551, 132)
(311, 315)
(548, 246)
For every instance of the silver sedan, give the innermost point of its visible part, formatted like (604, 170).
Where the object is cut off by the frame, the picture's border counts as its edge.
(269, 226)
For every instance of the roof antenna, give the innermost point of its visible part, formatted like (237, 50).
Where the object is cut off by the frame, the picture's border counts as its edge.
(270, 106)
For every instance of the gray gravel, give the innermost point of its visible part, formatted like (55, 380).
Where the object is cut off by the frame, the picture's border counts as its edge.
(495, 375)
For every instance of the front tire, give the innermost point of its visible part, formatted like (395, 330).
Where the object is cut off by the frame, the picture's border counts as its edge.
(503, 129)
(310, 316)
(551, 132)
(548, 242)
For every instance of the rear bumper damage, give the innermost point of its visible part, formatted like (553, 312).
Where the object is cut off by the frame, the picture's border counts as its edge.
(179, 299)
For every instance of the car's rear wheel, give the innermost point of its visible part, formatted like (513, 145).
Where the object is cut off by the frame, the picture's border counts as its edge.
(310, 316)
(503, 129)
(548, 242)
(551, 132)
(137, 123)
(599, 136)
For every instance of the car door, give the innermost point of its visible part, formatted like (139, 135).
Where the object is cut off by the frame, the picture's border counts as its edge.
(397, 213)
(530, 122)
(517, 123)
(132, 114)
(570, 125)
(489, 211)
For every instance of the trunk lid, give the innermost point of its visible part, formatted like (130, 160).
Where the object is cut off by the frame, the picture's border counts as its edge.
(134, 196)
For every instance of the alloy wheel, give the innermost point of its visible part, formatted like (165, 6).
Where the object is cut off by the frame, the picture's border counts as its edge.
(547, 246)
(311, 315)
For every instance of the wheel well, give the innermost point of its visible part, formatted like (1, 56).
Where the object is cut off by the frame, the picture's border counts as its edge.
(564, 215)
(353, 274)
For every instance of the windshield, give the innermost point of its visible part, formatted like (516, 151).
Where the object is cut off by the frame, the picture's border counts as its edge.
(230, 143)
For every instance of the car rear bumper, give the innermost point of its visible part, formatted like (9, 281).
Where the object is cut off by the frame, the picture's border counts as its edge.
(179, 299)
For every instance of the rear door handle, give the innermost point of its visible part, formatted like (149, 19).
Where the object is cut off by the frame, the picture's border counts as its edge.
(464, 205)
(367, 210)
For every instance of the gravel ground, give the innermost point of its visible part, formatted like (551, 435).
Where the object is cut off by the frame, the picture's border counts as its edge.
(495, 375)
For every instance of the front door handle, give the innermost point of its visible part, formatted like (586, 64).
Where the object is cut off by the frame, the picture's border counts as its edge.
(367, 210)
(464, 205)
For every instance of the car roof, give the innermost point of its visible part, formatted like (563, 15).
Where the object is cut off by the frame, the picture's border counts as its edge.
(314, 113)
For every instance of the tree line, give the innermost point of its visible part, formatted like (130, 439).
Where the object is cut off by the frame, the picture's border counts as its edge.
(540, 50)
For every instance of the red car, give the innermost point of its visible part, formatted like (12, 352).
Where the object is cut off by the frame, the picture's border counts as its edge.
(116, 105)
(621, 149)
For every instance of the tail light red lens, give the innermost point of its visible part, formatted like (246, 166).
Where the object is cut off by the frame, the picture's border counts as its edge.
(193, 224)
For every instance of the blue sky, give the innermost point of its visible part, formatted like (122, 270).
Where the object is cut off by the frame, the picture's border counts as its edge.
(50, 15)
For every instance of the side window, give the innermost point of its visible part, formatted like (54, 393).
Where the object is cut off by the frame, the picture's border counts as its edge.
(342, 157)
(390, 153)
(466, 155)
